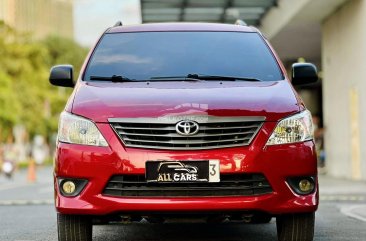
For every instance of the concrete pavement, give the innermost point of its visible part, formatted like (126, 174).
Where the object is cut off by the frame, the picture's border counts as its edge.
(19, 191)
(342, 190)
(336, 186)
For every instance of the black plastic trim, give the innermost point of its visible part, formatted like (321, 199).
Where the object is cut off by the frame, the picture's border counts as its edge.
(229, 185)
(294, 184)
(79, 186)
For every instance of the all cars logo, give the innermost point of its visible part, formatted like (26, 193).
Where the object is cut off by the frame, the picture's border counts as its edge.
(177, 172)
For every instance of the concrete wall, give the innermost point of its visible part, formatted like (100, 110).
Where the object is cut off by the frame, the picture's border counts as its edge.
(344, 89)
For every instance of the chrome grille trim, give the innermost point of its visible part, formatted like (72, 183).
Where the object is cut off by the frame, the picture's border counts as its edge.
(160, 133)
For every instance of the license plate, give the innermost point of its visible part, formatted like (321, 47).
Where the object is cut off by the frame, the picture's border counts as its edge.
(183, 171)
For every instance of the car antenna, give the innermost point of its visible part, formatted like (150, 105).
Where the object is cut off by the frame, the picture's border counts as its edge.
(118, 23)
(240, 22)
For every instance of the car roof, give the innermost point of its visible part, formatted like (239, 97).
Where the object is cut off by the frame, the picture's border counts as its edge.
(170, 27)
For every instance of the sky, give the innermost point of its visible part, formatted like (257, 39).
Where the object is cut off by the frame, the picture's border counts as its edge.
(93, 17)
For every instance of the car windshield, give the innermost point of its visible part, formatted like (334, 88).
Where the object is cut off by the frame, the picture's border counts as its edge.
(156, 56)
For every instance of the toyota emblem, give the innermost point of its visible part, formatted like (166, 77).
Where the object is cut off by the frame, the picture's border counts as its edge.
(187, 127)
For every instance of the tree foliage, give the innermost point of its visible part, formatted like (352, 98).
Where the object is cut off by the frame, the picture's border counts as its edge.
(26, 97)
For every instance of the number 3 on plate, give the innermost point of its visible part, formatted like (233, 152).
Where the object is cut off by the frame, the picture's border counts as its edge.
(214, 171)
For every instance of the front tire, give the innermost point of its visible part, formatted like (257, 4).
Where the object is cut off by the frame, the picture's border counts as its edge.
(296, 227)
(74, 228)
(261, 219)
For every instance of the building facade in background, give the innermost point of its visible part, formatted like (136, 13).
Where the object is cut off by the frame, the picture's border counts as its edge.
(332, 34)
(41, 18)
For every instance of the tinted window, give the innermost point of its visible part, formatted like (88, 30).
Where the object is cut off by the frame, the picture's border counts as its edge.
(144, 55)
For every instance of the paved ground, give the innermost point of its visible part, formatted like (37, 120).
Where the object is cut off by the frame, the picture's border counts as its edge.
(19, 191)
(26, 214)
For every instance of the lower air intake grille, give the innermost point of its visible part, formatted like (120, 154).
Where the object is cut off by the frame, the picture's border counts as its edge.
(230, 185)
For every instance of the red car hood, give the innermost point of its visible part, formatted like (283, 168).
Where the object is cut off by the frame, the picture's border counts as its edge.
(102, 100)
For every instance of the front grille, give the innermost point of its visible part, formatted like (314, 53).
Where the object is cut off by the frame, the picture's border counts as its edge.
(230, 185)
(160, 133)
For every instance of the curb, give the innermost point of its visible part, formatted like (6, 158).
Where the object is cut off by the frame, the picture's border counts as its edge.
(342, 198)
(26, 202)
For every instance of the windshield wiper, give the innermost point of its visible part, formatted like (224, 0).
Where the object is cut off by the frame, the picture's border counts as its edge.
(174, 78)
(205, 77)
(221, 77)
(113, 78)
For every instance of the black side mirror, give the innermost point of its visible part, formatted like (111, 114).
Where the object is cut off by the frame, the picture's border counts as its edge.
(62, 75)
(304, 73)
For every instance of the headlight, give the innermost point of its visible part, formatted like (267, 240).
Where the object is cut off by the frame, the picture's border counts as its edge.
(296, 128)
(78, 130)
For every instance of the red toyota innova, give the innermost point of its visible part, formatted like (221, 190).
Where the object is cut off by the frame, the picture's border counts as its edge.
(185, 120)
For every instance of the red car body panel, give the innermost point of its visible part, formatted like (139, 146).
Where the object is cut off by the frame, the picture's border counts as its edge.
(100, 101)
(98, 164)
(274, 100)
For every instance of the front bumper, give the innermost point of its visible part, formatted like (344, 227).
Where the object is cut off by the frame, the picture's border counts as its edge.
(99, 164)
